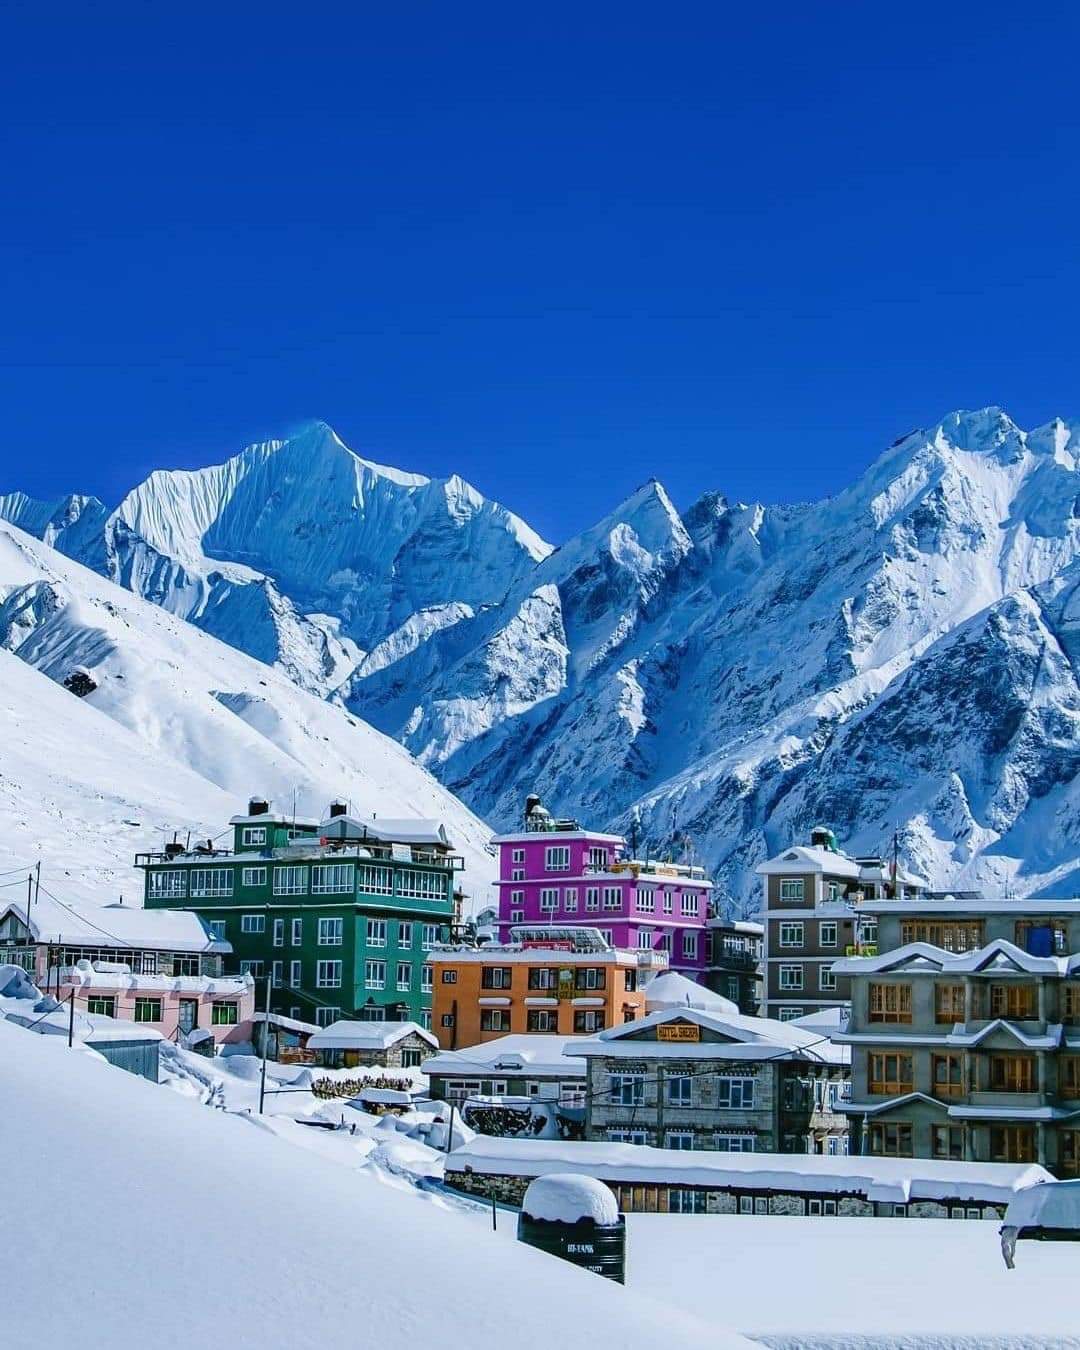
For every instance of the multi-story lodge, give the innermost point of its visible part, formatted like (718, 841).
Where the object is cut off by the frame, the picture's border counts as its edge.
(554, 871)
(708, 1077)
(965, 1032)
(815, 913)
(341, 915)
(733, 962)
(558, 981)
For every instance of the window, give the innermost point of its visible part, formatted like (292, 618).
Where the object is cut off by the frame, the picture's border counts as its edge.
(597, 857)
(947, 1141)
(297, 932)
(1012, 1143)
(430, 935)
(949, 1003)
(590, 977)
(689, 904)
(543, 977)
(494, 1019)
(890, 1003)
(217, 927)
(211, 881)
(148, 1010)
(253, 876)
(325, 1017)
(404, 976)
(374, 880)
(549, 898)
(496, 977)
(645, 898)
(733, 988)
(277, 973)
(376, 932)
(788, 1014)
(592, 897)
(1069, 1076)
(791, 888)
(791, 977)
(168, 885)
(224, 1014)
(421, 885)
(1012, 1073)
(890, 1074)
(328, 975)
(1043, 937)
(331, 932)
(332, 879)
(645, 939)
(628, 1136)
(684, 1201)
(404, 935)
(1015, 1002)
(952, 935)
(630, 981)
(294, 974)
(253, 836)
(733, 1143)
(791, 935)
(679, 1139)
(1069, 1153)
(252, 968)
(890, 1139)
(557, 858)
(735, 1094)
(569, 896)
(612, 897)
(425, 978)
(678, 1091)
(689, 946)
(279, 932)
(947, 1075)
(827, 934)
(447, 1020)
(826, 979)
(587, 1020)
(542, 1019)
(374, 974)
(290, 880)
(627, 1089)
(102, 1004)
(517, 874)
(253, 923)
(449, 977)
(518, 855)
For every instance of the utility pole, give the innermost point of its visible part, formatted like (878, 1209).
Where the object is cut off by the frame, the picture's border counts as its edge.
(71, 1019)
(29, 893)
(450, 1131)
(265, 1045)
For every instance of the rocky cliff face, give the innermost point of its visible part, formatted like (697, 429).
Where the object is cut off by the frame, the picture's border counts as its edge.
(897, 657)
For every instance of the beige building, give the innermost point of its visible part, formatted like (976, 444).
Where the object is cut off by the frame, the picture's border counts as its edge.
(814, 914)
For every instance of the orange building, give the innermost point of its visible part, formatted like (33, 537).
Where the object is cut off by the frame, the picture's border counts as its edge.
(564, 981)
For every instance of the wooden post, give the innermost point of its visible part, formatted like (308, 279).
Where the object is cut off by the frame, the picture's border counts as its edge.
(71, 1018)
(265, 1045)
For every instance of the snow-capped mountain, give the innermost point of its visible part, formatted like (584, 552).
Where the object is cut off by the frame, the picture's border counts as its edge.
(123, 723)
(897, 657)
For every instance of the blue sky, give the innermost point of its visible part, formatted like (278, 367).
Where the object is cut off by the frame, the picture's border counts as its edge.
(557, 249)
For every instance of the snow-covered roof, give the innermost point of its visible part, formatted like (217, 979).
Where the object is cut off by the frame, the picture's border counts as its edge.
(743, 1038)
(1023, 907)
(672, 990)
(274, 818)
(809, 858)
(898, 1179)
(995, 958)
(118, 926)
(285, 1023)
(224, 986)
(744, 926)
(346, 1035)
(387, 830)
(1055, 1204)
(89, 1028)
(826, 1021)
(522, 1055)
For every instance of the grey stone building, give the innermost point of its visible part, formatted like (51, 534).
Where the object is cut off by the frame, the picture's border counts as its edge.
(965, 1033)
(685, 1078)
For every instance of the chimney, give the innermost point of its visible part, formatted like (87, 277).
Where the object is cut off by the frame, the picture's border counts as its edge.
(532, 801)
(258, 806)
(338, 808)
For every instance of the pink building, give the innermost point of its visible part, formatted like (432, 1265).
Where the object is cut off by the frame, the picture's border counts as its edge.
(159, 968)
(553, 871)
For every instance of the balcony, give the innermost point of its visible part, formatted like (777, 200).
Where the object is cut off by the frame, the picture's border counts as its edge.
(1002, 1100)
(725, 960)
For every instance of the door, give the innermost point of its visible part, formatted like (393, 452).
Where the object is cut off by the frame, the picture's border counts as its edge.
(189, 1015)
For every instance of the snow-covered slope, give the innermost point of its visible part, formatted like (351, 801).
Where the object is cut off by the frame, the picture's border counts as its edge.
(895, 657)
(260, 1243)
(178, 730)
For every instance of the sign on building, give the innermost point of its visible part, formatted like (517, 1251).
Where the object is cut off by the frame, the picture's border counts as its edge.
(680, 1031)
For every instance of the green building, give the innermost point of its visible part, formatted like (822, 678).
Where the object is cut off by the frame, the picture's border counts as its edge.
(339, 914)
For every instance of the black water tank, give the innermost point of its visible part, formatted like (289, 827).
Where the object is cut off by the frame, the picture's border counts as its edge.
(338, 809)
(577, 1219)
(258, 806)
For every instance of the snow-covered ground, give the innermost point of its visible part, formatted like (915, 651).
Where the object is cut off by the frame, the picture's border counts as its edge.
(133, 1207)
(179, 731)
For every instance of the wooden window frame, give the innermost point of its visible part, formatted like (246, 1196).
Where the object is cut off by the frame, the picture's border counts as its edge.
(889, 1003)
(903, 1133)
(890, 1079)
(947, 1088)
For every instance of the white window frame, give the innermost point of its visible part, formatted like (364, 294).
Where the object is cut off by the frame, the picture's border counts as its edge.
(569, 896)
(689, 904)
(427, 975)
(792, 933)
(592, 897)
(295, 975)
(404, 985)
(375, 973)
(253, 923)
(679, 1089)
(557, 858)
(613, 897)
(645, 899)
(405, 933)
(791, 977)
(376, 934)
(328, 975)
(627, 1089)
(331, 932)
(373, 879)
(739, 1093)
(253, 876)
(549, 899)
(792, 888)
(518, 855)
(297, 933)
(252, 836)
(290, 880)
(826, 979)
(332, 879)
(176, 888)
(827, 934)
(279, 933)
(211, 882)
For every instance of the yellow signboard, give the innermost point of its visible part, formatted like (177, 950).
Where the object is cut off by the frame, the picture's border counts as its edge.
(678, 1031)
(566, 983)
